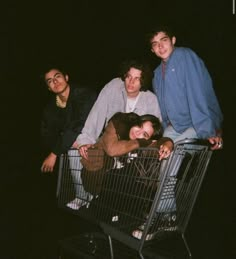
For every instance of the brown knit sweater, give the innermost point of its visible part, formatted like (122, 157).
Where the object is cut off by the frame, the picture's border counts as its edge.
(114, 142)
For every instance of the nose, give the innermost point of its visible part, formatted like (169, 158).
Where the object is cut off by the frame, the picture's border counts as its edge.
(54, 80)
(132, 80)
(159, 45)
(139, 133)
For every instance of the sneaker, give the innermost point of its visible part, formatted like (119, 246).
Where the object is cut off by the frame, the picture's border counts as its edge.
(161, 222)
(76, 204)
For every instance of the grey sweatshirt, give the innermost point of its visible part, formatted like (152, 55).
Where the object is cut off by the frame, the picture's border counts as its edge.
(112, 99)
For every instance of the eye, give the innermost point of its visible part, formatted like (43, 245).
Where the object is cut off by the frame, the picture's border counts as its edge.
(154, 44)
(49, 81)
(165, 39)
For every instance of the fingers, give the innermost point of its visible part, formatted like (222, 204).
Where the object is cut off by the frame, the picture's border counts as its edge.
(83, 150)
(46, 169)
(217, 143)
(164, 152)
(220, 144)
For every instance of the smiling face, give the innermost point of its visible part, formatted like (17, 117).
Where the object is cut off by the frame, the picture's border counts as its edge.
(162, 45)
(145, 131)
(56, 81)
(133, 82)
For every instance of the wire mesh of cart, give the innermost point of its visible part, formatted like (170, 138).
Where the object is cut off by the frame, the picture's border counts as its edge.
(135, 198)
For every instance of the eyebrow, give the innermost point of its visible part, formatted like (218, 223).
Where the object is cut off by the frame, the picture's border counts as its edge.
(139, 77)
(164, 37)
(58, 73)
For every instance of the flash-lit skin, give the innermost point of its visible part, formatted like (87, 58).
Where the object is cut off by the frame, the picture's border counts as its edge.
(133, 82)
(136, 132)
(146, 131)
(58, 84)
(162, 45)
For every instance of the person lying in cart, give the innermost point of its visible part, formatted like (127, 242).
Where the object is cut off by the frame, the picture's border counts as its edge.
(128, 92)
(125, 132)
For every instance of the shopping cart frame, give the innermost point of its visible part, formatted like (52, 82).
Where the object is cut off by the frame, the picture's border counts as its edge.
(186, 166)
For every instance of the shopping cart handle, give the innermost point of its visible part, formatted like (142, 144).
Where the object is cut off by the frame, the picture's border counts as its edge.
(195, 141)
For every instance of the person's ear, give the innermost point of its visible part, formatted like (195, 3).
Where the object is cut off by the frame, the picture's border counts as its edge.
(173, 40)
(67, 78)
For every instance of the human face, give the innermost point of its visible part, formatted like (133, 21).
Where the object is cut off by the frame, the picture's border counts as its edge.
(133, 82)
(56, 81)
(145, 131)
(162, 45)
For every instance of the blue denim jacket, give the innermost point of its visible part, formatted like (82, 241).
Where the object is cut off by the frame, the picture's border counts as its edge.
(186, 95)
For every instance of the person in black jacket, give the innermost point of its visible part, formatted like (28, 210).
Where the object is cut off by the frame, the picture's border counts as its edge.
(63, 117)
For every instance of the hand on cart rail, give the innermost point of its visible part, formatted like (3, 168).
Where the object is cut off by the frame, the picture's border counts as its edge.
(83, 150)
(165, 150)
(217, 142)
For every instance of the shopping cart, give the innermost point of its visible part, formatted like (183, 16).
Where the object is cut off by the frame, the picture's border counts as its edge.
(136, 199)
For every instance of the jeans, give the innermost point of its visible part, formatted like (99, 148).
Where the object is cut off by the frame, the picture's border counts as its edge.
(167, 200)
(175, 136)
(75, 168)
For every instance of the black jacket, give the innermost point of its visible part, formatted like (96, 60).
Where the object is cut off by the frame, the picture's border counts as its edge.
(61, 126)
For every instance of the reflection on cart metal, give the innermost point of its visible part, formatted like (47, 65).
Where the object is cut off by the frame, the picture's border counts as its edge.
(135, 198)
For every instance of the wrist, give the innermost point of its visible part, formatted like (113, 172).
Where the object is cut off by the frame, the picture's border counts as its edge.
(219, 133)
(53, 155)
(144, 142)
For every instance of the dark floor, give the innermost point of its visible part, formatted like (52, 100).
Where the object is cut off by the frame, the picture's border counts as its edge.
(31, 225)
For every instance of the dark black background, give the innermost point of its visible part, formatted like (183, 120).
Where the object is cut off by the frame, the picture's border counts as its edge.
(91, 38)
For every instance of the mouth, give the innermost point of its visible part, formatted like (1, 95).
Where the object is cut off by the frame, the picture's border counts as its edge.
(57, 87)
(162, 52)
(130, 87)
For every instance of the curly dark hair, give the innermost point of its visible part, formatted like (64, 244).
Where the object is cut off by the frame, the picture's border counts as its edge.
(146, 75)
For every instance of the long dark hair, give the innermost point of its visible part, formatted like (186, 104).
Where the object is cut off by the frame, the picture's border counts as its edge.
(156, 124)
(123, 122)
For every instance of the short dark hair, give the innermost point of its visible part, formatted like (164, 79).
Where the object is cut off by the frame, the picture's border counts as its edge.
(50, 67)
(159, 28)
(146, 75)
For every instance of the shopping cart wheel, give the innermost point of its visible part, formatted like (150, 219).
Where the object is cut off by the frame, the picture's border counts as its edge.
(88, 245)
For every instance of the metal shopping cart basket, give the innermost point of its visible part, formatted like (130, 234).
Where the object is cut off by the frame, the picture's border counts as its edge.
(136, 199)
